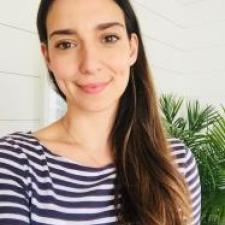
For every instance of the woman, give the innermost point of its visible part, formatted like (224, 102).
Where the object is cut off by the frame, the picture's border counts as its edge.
(106, 161)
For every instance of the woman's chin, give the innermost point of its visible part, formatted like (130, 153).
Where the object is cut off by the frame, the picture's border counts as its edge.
(94, 107)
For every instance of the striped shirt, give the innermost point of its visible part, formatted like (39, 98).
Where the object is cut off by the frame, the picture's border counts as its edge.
(39, 187)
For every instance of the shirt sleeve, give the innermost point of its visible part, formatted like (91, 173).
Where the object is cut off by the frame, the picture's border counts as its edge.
(14, 182)
(193, 181)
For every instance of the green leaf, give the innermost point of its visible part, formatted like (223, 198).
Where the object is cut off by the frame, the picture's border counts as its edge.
(202, 129)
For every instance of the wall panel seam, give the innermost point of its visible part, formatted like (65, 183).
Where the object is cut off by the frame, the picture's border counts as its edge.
(18, 28)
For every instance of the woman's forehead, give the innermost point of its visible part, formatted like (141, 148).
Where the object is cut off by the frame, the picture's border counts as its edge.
(83, 13)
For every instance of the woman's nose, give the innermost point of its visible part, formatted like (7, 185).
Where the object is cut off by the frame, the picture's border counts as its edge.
(90, 59)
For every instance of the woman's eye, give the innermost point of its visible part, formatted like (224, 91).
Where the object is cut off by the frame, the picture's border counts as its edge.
(65, 45)
(111, 38)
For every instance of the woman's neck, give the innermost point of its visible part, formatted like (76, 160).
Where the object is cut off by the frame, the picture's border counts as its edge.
(89, 130)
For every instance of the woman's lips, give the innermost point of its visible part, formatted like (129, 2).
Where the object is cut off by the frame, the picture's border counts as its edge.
(94, 88)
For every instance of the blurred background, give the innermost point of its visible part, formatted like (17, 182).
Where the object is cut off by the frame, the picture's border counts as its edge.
(185, 42)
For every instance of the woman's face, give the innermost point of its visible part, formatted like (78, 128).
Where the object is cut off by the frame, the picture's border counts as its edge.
(89, 52)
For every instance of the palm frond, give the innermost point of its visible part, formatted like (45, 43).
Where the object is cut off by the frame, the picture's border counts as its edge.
(203, 130)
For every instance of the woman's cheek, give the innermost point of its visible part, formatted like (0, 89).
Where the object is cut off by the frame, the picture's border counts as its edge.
(121, 64)
(62, 69)
(121, 69)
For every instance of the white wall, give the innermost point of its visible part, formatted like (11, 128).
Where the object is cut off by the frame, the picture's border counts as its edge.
(20, 67)
(204, 58)
(162, 33)
(185, 40)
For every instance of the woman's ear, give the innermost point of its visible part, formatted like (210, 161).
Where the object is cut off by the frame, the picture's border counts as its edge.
(134, 43)
(44, 50)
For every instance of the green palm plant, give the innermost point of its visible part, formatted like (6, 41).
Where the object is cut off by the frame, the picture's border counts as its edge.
(216, 199)
(202, 129)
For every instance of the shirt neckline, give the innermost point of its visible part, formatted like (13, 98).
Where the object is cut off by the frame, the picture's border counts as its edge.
(67, 160)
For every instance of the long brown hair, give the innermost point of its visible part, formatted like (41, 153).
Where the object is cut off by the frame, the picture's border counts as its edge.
(153, 191)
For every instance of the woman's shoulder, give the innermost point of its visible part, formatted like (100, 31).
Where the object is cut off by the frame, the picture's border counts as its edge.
(16, 138)
(184, 157)
(177, 147)
(187, 165)
(20, 144)
(14, 163)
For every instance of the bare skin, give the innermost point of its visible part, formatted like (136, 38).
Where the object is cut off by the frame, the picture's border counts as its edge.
(92, 150)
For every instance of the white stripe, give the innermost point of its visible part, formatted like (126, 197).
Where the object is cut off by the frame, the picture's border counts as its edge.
(73, 181)
(27, 138)
(13, 205)
(70, 189)
(11, 152)
(189, 154)
(14, 164)
(52, 221)
(11, 193)
(195, 184)
(196, 221)
(100, 187)
(196, 202)
(34, 152)
(174, 139)
(6, 171)
(179, 144)
(14, 216)
(192, 176)
(49, 192)
(178, 153)
(197, 210)
(48, 179)
(196, 193)
(79, 172)
(71, 171)
(180, 160)
(24, 142)
(5, 143)
(76, 172)
(10, 182)
(79, 211)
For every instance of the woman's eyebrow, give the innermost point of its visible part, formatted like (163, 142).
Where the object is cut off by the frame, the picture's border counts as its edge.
(101, 26)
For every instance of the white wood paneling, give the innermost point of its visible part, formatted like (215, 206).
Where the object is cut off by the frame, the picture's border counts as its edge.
(162, 34)
(19, 14)
(162, 55)
(185, 46)
(157, 26)
(21, 99)
(203, 60)
(21, 66)
(162, 9)
(206, 36)
(190, 2)
(7, 127)
(20, 51)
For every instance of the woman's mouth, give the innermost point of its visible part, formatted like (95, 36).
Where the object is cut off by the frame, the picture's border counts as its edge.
(94, 88)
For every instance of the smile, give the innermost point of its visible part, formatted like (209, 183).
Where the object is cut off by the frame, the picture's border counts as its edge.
(94, 88)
